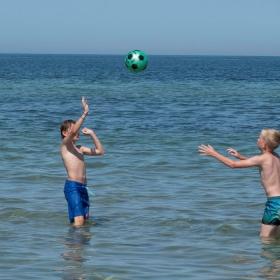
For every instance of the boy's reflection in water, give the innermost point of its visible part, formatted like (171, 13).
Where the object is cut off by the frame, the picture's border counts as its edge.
(76, 240)
(271, 252)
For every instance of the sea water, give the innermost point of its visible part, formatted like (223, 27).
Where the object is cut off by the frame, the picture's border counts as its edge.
(159, 210)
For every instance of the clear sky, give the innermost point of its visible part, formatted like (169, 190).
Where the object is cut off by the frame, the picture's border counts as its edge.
(215, 27)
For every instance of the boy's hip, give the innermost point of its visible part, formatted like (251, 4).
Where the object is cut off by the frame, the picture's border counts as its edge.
(71, 185)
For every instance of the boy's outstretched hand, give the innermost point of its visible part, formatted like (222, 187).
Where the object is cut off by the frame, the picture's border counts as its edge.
(85, 105)
(233, 152)
(206, 150)
(236, 154)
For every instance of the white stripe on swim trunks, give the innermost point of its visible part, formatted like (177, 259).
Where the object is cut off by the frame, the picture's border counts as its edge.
(90, 191)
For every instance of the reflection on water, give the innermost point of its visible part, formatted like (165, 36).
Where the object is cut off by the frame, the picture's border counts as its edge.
(75, 243)
(271, 252)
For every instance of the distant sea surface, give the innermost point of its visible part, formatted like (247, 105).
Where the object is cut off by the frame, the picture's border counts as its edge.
(159, 210)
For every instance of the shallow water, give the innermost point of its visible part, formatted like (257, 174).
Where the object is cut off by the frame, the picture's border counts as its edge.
(159, 210)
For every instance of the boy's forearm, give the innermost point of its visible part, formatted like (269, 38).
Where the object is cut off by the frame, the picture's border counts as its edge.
(97, 143)
(227, 161)
(79, 123)
(241, 157)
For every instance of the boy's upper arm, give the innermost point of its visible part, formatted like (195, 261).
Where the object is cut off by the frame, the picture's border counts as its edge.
(89, 151)
(249, 162)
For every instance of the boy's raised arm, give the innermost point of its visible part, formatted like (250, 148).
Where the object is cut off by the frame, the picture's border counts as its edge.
(79, 122)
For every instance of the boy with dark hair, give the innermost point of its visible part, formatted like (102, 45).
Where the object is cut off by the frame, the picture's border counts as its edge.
(73, 158)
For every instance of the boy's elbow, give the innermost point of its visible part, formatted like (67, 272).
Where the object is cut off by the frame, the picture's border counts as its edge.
(100, 152)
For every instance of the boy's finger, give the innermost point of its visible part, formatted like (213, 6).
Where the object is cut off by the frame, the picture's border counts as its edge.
(201, 150)
(202, 146)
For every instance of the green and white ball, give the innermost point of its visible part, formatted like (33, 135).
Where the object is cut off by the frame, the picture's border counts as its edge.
(136, 61)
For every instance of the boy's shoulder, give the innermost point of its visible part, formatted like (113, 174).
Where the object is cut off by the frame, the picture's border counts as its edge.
(270, 156)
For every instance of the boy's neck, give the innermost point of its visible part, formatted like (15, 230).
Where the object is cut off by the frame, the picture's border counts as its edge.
(267, 150)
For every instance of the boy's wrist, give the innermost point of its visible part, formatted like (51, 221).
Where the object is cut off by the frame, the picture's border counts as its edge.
(84, 114)
(215, 154)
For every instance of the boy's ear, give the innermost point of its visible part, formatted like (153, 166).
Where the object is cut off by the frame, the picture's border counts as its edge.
(64, 133)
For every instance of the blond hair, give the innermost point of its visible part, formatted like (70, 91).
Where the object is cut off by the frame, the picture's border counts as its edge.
(271, 137)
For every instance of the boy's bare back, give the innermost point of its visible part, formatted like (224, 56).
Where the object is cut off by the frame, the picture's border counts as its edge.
(270, 173)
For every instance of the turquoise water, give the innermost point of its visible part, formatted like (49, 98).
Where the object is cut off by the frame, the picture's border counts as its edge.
(159, 209)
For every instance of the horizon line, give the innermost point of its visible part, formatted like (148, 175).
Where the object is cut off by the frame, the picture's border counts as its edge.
(123, 54)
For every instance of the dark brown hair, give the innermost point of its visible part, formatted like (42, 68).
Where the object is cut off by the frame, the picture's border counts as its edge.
(65, 126)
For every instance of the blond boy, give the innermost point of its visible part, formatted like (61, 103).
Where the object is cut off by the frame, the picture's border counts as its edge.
(268, 163)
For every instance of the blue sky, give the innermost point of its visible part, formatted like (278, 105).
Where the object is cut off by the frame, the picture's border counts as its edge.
(214, 27)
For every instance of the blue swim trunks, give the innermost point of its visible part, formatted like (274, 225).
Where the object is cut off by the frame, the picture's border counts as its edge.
(77, 198)
(271, 214)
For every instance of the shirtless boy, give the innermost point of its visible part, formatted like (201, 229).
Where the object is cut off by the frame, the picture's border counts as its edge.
(268, 163)
(73, 158)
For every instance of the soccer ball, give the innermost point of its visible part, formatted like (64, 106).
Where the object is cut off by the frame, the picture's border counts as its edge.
(136, 61)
